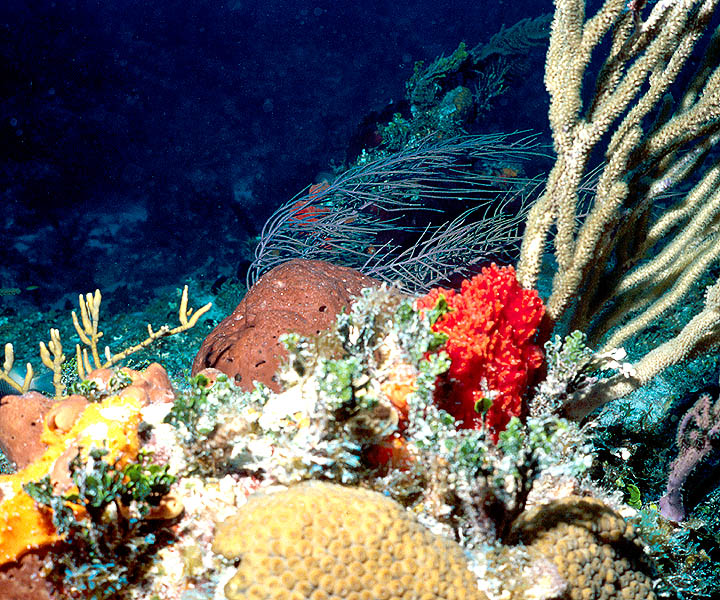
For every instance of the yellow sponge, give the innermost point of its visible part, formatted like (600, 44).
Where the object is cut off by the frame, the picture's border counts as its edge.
(23, 525)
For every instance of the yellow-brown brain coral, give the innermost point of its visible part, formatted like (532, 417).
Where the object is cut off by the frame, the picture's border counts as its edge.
(322, 541)
(593, 548)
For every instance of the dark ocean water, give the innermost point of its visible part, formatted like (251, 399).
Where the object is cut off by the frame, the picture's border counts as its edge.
(144, 144)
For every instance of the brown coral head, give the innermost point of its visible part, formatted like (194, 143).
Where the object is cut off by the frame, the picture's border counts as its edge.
(300, 296)
(21, 424)
(153, 384)
(101, 377)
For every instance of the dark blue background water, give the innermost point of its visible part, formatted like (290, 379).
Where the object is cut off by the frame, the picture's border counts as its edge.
(144, 143)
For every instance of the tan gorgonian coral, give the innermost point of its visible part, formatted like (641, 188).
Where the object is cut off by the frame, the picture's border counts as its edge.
(625, 261)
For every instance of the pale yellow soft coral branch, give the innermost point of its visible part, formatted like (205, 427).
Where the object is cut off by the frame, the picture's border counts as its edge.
(610, 257)
(88, 359)
(90, 334)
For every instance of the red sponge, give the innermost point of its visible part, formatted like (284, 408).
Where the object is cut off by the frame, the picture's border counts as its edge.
(491, 327)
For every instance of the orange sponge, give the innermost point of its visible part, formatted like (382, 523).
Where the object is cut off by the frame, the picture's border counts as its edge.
(113, 422)
(491, 331)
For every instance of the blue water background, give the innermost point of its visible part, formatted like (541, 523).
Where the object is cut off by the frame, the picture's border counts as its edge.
(144, 143)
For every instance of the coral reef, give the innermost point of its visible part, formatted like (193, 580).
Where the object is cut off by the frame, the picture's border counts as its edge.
(112, 422)
(24, 418)
(325, 541)
(395, 452)
(357, 408)
(334, 406)
(374, 397)
(594, 550)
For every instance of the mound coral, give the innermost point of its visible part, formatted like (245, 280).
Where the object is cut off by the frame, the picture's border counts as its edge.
(594, 550)
(325, 541)
(490, 327)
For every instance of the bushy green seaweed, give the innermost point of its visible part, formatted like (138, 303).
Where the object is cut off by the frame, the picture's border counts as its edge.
(331, 418)
(423, 85)
(94, 393)
(104, 551)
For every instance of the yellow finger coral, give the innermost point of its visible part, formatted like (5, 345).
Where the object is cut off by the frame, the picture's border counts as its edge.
(594, 550)
(323, 541)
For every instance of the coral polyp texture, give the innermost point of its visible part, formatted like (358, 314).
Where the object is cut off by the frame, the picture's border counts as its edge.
(491, 326)
(592, 547)
(325, 541)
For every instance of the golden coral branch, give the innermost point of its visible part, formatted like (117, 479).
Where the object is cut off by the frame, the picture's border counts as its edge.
(53, 358)
(623, 265)
(6, 376)
(87, 326)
